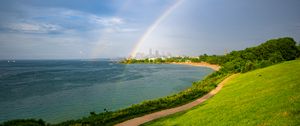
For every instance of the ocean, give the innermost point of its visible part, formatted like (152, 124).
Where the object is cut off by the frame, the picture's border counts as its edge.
(59, 90)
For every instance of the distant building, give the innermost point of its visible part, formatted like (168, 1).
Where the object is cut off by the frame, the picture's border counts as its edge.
(139, 55)
(169, 54)
(156, 53)
(150, 53)
(153, 54)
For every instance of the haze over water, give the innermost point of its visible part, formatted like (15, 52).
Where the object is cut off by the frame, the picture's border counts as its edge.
(58, 90)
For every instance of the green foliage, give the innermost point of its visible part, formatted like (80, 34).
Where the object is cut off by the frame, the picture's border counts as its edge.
(298, 49)
(271, 52)
(24, 122)
(269, 96)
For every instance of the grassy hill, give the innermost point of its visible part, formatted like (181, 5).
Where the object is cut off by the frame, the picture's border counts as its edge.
(268, 96)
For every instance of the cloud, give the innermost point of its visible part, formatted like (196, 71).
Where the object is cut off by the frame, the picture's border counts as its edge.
(112, 24)
(34, 27)
(88, 17)
(108, 24)
(129, 30)
(106, 21)
(119, 30)
(54, 32)
(91, 18)
(63, 20)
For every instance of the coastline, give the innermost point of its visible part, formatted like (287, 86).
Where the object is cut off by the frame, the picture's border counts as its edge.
(200, 64)
(159, 114)
(165, 112)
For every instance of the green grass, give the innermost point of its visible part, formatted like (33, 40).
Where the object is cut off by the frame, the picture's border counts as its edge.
(268, 96)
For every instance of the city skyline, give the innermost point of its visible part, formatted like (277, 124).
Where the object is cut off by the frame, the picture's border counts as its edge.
(151, 54)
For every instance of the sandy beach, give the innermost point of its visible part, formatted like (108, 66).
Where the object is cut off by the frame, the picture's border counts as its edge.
(201, 64)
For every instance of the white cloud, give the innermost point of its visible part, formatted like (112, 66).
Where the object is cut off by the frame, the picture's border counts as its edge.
(81, 52)
(77, 34)
(34, 27)
(91, 18)
(119, 30)
(106, 21)
(63, 20)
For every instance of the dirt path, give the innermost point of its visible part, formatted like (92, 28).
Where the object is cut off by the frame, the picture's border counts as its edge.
(149, 117)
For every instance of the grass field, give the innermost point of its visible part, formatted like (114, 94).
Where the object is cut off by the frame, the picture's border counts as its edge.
(268, 96)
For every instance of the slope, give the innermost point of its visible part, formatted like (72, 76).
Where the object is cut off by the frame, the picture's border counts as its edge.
(268, 96)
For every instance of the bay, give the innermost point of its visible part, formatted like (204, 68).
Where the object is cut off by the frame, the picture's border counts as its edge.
(59, 90)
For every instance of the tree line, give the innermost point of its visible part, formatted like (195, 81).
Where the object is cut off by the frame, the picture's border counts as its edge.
(271, 52)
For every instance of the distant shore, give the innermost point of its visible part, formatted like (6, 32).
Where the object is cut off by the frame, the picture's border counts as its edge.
(201, 64)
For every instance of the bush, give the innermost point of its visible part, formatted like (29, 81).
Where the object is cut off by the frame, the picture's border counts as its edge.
(25, 122)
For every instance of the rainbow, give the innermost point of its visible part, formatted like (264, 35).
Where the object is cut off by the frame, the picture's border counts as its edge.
(153, 27)
(102, 41)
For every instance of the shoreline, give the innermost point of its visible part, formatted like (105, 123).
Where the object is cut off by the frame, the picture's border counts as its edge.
(159, 114)
(165, 112)
(200, 64)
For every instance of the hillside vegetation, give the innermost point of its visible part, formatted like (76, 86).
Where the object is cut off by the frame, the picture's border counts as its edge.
(271, 52)
(269, 96)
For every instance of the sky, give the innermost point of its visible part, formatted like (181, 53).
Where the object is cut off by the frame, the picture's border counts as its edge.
(81, 29)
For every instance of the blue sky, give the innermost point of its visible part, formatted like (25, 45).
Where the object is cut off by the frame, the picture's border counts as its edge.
(80, 29)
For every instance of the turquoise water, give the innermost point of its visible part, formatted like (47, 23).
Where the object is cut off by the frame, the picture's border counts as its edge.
(58, 90)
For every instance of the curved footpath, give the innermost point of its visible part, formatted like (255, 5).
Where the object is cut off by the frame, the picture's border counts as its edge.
(149, 117)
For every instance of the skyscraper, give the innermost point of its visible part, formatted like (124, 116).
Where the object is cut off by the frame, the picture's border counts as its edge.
(150, 52)
(156, 53)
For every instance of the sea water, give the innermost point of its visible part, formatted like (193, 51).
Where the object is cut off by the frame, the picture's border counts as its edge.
(59, 90)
